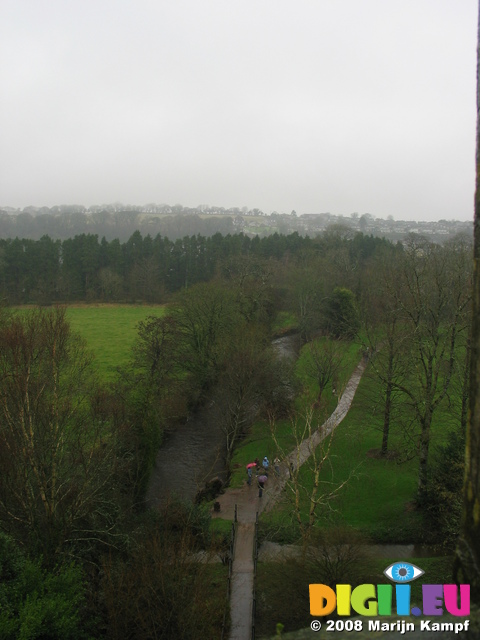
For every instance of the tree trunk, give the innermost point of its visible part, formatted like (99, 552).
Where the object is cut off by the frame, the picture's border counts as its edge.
(423, 464)
(467, 565)
(465, 387)
(386, 419)
(388, 403)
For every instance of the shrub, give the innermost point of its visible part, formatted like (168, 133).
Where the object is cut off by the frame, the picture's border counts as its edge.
(442, 503)
(35, 603)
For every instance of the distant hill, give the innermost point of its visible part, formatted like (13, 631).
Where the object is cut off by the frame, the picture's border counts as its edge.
(118, 221)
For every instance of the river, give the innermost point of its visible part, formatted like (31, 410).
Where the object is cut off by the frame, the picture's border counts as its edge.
(192, 454)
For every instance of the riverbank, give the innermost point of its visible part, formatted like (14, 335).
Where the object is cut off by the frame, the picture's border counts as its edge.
(193, 453)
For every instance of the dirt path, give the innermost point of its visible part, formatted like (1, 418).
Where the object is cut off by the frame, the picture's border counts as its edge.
(249, 504)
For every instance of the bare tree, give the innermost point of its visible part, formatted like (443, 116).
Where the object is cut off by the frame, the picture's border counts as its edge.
(307, 286)
(251, 278)
(386, 344)
(56, 456)
(244, 386)
(162, 589)
(324, 364)
(310, 456)
(432, 294)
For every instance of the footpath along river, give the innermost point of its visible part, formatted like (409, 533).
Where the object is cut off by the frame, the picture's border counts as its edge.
(193, 453)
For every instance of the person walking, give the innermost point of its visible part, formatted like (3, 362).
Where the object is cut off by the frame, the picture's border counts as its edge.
(265, 464)
(261, 484)
(249, 474)
(276, 466)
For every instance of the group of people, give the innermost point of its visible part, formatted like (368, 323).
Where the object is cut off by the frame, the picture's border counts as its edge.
(261, 471)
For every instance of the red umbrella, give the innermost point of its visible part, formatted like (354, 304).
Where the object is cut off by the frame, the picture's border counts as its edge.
(251, 464)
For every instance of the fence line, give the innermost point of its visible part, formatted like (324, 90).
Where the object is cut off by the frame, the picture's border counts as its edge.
(231, 555)
(255, 558)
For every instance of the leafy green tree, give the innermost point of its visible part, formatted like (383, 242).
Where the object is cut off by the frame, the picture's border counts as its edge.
(341, 317)
(109, 284)
(80, 263)
(36, 603)
(158, 369)
(144, 281)
(17, 270)
(45, 270)
(206, 314)
(150, 394)
(251, 278)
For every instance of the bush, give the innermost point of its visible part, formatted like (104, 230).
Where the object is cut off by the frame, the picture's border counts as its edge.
(442, 503)
(162, 590)
(339, 556)
(341, 315)
(35, 603)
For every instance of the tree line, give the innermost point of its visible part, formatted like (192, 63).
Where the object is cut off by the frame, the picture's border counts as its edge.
(71, 221)
(417, 318)
(143, 268)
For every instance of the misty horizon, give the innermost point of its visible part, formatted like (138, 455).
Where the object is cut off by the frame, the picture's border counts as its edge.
(205, 209)
(315, 106)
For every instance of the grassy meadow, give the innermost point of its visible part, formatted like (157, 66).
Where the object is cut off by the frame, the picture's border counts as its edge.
(377, 499)
(109, 331)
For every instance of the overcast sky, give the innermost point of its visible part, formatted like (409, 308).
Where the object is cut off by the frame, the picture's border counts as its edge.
(314, 105)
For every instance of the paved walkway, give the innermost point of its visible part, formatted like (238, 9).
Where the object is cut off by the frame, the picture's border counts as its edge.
(249, 504)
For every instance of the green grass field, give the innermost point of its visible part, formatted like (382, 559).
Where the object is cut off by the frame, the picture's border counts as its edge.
(109, 331)
(378, 498)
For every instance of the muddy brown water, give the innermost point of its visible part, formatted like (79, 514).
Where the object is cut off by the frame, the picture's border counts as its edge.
(193, 453)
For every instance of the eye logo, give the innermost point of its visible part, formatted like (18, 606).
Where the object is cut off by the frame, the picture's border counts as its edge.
(403, 572)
